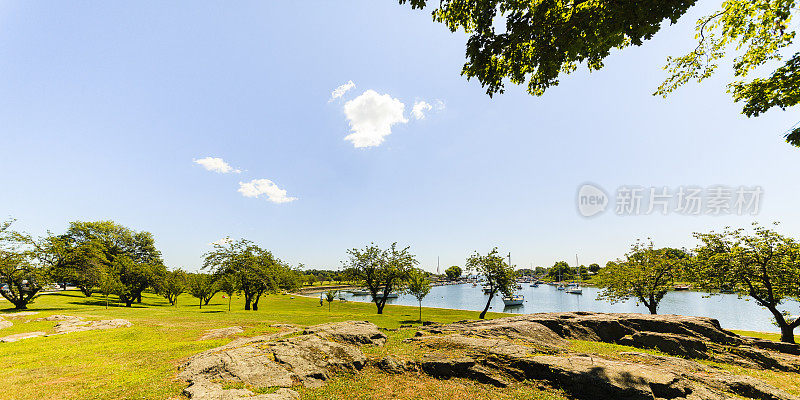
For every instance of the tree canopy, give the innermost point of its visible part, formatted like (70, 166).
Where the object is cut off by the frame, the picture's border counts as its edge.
(453, 272)
(499, 275)
(537, 41)
(645, 274)
(21, 278)
(763, 265)
(381, 271)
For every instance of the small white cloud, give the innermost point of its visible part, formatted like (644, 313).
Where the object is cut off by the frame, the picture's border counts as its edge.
(257, 187)
(438, 105)
(217, 164)
(221, 242)
(419, 109)
(341, 90)
(371, 116)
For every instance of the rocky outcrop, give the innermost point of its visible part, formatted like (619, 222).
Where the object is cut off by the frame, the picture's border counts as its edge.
(221, 332)
(70, 324)
(5, 323)
(305, 357)
(21, 336)
(536, 347)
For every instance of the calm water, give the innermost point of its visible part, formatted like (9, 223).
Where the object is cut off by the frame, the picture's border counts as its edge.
(732, 312)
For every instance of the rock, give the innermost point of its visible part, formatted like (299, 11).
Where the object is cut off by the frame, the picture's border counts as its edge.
(675, 345)
(20, 336)
(221, 332)
(351, 332)
(206, 390)
(276, 360)
(5, 323)
(21, 314)
(79, 325)
(536, 347)
(391, 365)
(59, 317)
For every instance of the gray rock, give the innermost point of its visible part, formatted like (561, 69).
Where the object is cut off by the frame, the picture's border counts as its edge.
(352, 332)
(391, 365)
(221, 332)
(5, 323)
(279, 361)
(675, 345)
(21, 336)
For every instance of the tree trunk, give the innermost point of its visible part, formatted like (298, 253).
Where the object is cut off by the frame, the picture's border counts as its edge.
(485, 309)
(787, 334)
(201, 303)
(229, 302)
(420, 311)
(787, 330)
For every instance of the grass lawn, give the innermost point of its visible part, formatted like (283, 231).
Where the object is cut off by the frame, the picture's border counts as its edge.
(140, 362)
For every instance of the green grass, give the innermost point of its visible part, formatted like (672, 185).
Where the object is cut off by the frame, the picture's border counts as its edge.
(140, 362)
(760, 335)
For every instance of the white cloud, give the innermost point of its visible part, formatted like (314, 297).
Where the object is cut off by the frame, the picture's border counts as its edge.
(217, 164)
(341, 90)
(438, 105)
(419, 109)
(371, 116)
(221, 242)
(257, 187)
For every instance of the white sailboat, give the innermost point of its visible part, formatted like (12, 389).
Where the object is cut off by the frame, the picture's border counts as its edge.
(513, 300)
(576, 288)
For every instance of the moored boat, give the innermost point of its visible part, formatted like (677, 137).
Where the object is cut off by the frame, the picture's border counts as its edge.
(515, 300)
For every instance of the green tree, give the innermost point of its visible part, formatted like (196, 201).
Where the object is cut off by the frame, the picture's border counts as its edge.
(202, 286)
(538, 41)
(645, 274)
(108, 284)
(173, 285)
(499, 275)
(381, 271)
(561, 270)
(255, 270)
(80, 262)
(419, 286)
(453, 272)
(21, 277)
(763, 265)
(227, 285)
(87, 248)
(594, 268)
(330, 296)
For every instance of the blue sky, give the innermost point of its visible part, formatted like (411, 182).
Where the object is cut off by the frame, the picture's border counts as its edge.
(105, 107)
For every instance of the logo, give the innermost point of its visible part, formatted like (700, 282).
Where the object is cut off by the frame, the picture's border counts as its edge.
(592, 200)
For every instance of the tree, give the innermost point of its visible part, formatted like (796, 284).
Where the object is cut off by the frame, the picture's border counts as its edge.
(173, 285)
(202, 286)
(107, 285)
(255, 270)
(763, 265)
(499, 275)
(227, 285)
(419, 286)
(81, 263)
(645, 274)
(21, 278)
(562, 271)
(310, 279)
(89, 248)
(453, 272)
(330, 295)
(541, 40)
(594, 268)
(134, 277)
(381, 271)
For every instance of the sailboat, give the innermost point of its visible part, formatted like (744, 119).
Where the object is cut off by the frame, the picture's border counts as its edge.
(513, 300)
(576, 288)
(560, 285)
